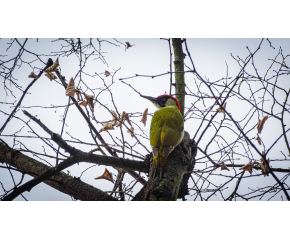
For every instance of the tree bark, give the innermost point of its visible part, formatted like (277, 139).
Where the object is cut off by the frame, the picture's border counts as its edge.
(179, 77)
(60, 181)
(180, 163)
(182, 160)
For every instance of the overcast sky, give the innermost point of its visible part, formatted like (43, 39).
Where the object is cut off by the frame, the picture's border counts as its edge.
(209, 19)
(212, 59)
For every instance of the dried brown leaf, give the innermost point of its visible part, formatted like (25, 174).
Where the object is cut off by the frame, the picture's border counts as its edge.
(50, 75)
(224, 167)
(121, 119)
(33, 75)
(144, 117)
(78, 92)
(131, 131)
(258, 139)
(115, 118)
(107, 73)
(126, 117)
(128, 44)
(98, 149)
(50, 69)
(106, 175)
(83, 103)
(248, 167)
(261, 124)
(90, 99)
(107, 126)
(53, 67)
(55, 64)
(222, 109)
(70, 89)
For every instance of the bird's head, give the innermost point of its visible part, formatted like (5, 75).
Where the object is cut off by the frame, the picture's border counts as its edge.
(163, 101)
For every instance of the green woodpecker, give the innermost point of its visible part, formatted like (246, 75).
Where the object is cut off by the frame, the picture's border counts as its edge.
(166, 130)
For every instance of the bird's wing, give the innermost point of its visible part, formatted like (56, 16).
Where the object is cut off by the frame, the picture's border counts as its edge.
(170, 127)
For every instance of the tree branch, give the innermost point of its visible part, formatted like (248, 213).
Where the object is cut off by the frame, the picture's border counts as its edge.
(58, 180)
(132, 173)
(49, 63)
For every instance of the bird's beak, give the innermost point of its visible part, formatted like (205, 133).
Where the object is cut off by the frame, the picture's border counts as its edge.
(151, 99)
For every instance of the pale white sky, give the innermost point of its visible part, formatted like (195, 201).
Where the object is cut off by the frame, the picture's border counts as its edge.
(191, 19)
(147, 57)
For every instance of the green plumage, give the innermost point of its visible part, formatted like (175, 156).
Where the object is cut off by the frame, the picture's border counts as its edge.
(166, 132)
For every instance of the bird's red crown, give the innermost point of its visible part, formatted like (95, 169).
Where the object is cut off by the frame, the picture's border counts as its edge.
(169, 96)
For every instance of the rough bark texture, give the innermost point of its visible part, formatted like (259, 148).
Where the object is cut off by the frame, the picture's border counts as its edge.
(60, 181)
(179, 77)
(180, 162)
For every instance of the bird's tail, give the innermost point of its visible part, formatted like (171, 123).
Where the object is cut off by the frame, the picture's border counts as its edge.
(153, 170)
(155, 166)
(159, 164)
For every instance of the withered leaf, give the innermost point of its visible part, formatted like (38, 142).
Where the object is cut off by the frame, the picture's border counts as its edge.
(33, 75)
(126, 117)
(53, 67)
(121, 119)
(131, 130)
(107, 73)
(98, 149)
(224, 167)
(50, 75)
(107, 126)
(248, 167)
(70, 89)
(78, 92)
(115, 118)
(258, 139)
(128, 44)
(222, 109)
(90, 99)
(144, 117)
(106, 175)
(261, 124)
(83, 103)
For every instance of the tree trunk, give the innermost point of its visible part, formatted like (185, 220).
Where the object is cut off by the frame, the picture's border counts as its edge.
(179, 166)
(182, 160)
(179, 77)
